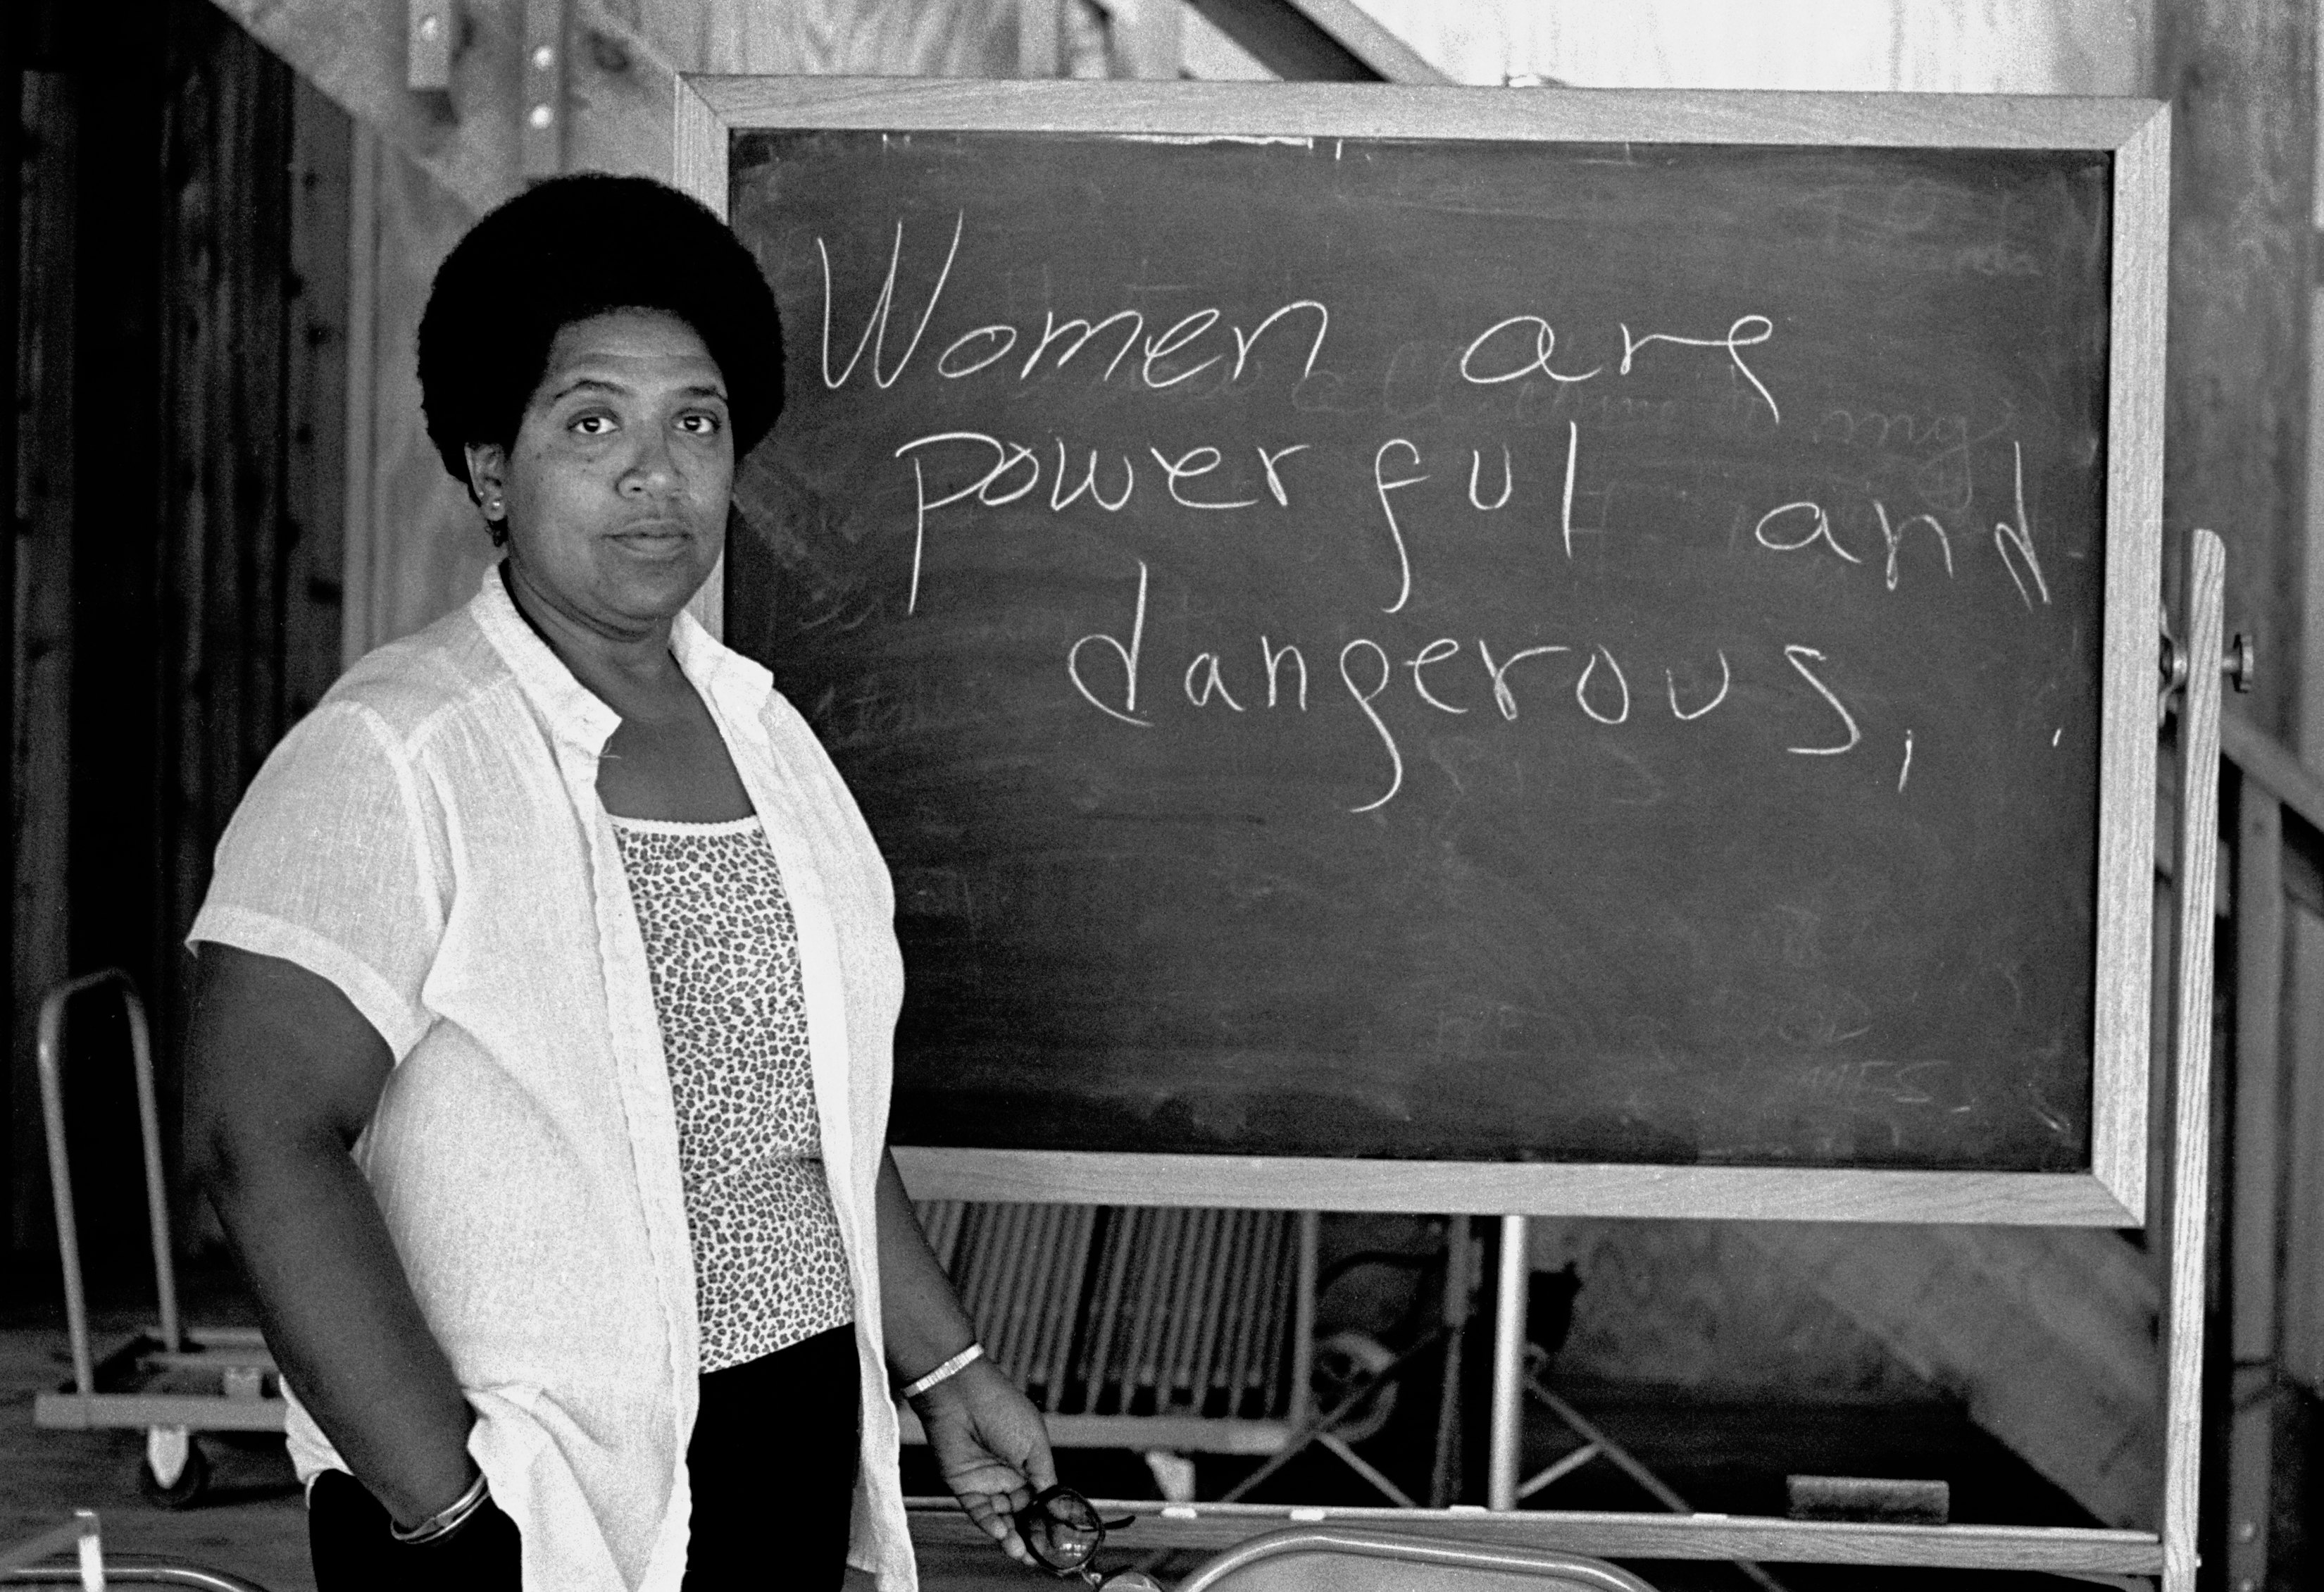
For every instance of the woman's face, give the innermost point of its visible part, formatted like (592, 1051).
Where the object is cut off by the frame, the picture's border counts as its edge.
(616, 487)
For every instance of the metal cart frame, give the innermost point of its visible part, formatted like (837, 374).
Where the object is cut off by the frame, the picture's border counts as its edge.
(158, 1379)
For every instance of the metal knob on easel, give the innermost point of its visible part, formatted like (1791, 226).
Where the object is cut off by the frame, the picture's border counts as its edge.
(2238, 666)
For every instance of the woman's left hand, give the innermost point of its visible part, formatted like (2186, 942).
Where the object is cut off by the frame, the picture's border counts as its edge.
(992, 1446)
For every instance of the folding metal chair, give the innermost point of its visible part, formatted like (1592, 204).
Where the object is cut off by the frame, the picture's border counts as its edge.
(73, 1555)
(1324, 1559)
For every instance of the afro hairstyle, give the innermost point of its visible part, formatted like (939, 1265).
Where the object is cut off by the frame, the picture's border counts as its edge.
(569, 249)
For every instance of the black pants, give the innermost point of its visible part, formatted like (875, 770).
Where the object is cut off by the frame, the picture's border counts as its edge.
(772, 1463)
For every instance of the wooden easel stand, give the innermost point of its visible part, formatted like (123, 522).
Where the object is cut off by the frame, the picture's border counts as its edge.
(1596, 1444)
(2196, 877)
(2099, 1555)
(2135, 137)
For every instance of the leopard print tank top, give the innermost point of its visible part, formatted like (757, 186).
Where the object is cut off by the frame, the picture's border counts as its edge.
(722, 953)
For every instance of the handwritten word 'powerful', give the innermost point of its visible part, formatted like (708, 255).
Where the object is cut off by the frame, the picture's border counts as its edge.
(1209, 680)
(1013, 472)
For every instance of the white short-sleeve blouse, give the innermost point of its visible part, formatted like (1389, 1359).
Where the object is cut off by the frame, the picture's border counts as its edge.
(429, 841)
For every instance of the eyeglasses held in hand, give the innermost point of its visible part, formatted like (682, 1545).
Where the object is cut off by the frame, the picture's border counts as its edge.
(1064, 1532)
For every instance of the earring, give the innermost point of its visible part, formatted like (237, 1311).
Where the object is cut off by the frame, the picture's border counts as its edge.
(492, 508)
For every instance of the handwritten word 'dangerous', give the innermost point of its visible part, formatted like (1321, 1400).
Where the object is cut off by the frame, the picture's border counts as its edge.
(1278, 676)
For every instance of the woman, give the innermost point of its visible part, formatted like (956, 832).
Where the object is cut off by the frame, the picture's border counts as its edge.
(540, 1067)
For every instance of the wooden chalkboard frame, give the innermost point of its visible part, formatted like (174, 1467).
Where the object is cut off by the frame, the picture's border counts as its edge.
(2137, 135)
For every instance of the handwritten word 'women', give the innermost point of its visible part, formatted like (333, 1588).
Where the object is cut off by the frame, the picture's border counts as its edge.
(1174, 355)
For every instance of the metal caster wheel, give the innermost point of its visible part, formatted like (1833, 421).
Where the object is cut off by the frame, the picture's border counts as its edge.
(172, 1452)
(1342, 1362)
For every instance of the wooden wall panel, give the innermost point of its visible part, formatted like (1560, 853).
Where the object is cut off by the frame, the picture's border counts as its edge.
(41, 635)
(416, 546)
(112, 857)
(1960, 46)
(315, 394)
(222, 508)
(248, 604)
(354, 53)
(901, 38)
(178, 592)
(2045, 1334)
(2241, 77)
(1697, 1305)
(619, 55)
(2302, 1321)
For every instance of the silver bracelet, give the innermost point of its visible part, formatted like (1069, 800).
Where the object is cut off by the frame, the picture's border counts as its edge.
(447, 1520)
(943, 1373)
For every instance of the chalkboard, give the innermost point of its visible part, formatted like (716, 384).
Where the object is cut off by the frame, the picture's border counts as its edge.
(1492, 648)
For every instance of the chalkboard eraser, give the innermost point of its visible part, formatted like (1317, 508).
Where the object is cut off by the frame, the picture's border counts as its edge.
(1869, 1498)
(1305, 1514)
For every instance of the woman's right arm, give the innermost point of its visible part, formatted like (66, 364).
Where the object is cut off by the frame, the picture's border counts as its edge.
(282, 1075)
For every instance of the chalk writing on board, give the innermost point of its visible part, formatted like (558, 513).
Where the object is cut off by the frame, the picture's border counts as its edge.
(1514, 651)
(958, 474)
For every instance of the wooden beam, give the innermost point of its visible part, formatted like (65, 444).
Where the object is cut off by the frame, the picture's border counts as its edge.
(611, 78)
(17, 35)
(1625, 1534)
(2254, 1161)
(472, 136)
(358, 577)
(2046, 1336)
(2240, 77)
(1725, 1193)
(356, 55)
(1040, 38)
(2187, 1190)
(2262, 758)
(221, 600)
(2300, 1290)
(316, 389)
(1317, 41)
(1147, 38)
(427, 44)
(2257, 1093)
(115, 862)
(41, 631)
(542, 104)
(415, 548)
